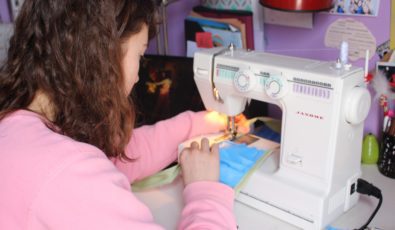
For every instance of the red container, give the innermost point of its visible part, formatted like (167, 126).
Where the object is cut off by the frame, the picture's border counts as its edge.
(298, 5)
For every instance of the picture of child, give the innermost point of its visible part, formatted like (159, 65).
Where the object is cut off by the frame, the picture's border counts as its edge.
(340, 7)
(356, 7)
(361, 7)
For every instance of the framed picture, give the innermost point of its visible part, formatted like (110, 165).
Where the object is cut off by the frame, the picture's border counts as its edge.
(356, 7)
(165, 88)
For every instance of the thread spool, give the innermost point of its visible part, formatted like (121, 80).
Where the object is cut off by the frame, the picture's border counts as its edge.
(370, 149)
(368, 76)
(344, 52)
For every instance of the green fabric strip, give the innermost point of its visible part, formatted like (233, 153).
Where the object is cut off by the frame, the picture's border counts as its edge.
(161, 178)
(257, 165)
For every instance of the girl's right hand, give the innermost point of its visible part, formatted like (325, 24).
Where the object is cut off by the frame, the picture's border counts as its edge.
(200, 163)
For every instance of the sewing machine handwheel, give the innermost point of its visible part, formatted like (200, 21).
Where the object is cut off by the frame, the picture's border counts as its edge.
(357, 105)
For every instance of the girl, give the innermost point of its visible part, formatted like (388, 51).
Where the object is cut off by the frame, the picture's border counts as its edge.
(68, 153)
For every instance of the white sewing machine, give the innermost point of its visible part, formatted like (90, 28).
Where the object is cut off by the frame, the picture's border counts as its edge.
(323, 107)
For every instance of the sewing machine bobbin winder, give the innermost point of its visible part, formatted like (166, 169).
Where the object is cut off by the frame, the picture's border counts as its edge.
(323, 109)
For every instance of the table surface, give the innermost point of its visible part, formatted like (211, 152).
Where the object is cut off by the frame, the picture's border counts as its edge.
(166, 205)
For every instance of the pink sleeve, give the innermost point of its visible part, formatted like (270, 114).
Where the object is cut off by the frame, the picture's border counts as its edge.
(209, 205)
(155, 147)
(88, 194)
(91, 193)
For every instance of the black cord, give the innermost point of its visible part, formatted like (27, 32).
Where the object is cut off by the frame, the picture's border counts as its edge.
(369, 189)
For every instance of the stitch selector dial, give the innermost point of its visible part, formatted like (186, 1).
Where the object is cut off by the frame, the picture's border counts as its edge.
(244, 81)
(275, 87)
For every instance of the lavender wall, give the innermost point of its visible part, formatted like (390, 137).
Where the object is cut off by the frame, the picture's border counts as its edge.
(176, 13)
(5, 16)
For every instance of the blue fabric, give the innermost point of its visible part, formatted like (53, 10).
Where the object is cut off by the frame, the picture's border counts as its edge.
(236, 160)
(332, 228)
(267, 133)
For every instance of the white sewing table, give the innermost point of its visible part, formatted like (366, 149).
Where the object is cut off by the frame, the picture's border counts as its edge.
(166, 205)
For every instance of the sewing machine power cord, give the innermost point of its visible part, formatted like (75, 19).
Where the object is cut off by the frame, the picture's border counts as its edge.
(366, 188)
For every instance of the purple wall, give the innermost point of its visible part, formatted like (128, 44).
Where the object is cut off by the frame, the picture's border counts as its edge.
(5, 16)
(176, 13)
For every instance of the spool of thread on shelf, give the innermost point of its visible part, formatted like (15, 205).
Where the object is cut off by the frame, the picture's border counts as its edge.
(370, 149)
(366, 68)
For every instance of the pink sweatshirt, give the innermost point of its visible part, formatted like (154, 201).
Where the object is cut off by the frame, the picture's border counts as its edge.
(50, 181)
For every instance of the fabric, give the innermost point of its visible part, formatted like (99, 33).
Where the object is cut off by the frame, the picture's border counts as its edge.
(164, 177)
(50, 181)
(236, 160)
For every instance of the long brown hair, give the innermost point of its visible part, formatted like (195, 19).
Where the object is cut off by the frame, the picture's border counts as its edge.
(70, 51)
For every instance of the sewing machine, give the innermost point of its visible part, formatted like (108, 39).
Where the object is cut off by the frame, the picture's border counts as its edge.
(323, 107)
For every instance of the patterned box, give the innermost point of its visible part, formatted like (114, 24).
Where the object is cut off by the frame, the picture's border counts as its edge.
(228, 4)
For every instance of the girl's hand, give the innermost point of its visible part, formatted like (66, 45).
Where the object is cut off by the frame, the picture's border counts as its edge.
(200, 163)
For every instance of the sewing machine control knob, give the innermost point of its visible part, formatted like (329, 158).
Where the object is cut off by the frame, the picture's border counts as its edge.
(244, 81)
(357, 105)
(295, 160)
(275, 87)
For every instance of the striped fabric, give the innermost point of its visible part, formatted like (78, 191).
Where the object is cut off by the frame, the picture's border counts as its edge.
(228, 4)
